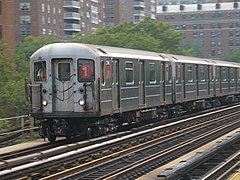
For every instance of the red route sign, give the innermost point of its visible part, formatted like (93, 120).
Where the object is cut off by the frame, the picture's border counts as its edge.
(86, 71)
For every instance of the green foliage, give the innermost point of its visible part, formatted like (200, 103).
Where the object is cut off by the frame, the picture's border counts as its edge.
(30, 44)
(233, 56)
(13, 70)
(150, 35)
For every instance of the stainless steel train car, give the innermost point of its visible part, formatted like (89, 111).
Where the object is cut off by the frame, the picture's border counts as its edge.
(89, 90)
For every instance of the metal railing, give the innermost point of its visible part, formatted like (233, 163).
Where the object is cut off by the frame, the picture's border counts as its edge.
(19, 124)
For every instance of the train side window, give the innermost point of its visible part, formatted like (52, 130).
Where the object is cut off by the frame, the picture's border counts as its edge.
(129, 72)
(189, 73)
(64, 72)
(152, 73)
(40, 71)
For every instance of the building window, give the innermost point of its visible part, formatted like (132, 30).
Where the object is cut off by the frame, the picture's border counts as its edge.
(213, 43)
(43, 7)
(48, 9)
(110, 15)
(94, 14)
(219, 43)
(237, 42)
(43, 19)
(213, 52)
(231, 33)
(231, 25)
(49, 20)
(25, 6)
(212, 34)
(237, 33)
(213, 26)
(194, 26)
(195, 35)
(231, 42)
(25, 31)
(43, 31)
(25, 19)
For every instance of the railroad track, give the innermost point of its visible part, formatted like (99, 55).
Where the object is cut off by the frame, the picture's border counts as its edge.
(150, 156)
(114, 149)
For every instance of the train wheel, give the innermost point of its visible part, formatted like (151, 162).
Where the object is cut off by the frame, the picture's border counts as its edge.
(51, 137)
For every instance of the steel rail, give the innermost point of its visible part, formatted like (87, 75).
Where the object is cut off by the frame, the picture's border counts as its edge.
(164, 130)
(70, 171)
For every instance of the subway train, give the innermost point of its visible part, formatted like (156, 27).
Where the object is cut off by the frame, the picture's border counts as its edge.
(90, 90)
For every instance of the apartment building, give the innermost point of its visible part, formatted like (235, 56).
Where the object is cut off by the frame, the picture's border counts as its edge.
(117, 11)
(83, 16)
(212, 28)
(62, 18)
(20, 18)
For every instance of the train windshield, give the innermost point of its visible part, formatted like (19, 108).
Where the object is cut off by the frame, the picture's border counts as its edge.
(85, 70)
(40, 71)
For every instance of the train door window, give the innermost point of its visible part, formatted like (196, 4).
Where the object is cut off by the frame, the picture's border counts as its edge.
(129, 72)
(232, 74)
(189, 73)
(168, 72)
(40, 71)
(210, 72)
(217, 73)
(178, 73)
(85, 70)
(224, 74)
(202, 73)
(152, 73)
(102, 73)
(64, 72)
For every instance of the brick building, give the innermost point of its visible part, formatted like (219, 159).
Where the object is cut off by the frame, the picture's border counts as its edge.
(117, 11)
(19, 18)
(62, 18)
(213, 28)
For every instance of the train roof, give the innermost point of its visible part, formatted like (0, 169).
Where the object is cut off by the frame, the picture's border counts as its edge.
(93, 51)
(89, 50)
(193, 60)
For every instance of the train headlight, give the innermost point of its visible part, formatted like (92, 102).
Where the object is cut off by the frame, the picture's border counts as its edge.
(81, 102)
(44, 103)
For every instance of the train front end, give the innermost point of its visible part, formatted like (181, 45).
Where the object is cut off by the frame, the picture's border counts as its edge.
(63, 89)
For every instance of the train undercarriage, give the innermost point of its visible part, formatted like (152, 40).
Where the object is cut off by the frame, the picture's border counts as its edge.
(94, 127)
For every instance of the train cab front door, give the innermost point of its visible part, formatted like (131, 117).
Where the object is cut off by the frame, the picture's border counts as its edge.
(62, 80)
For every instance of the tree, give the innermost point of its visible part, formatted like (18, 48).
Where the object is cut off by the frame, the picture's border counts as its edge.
(13, 70)
(31, 43)
(233, 55)
(148, 35)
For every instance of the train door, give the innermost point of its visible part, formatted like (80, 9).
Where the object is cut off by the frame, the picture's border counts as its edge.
(179, 85)
(141, 83)
(115, 84)
(184, 81)
(162, 80)
(62, 80)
